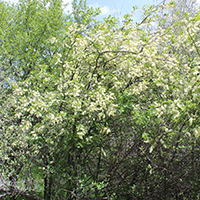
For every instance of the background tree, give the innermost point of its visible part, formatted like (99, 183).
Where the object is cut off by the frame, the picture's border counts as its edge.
(91, 111)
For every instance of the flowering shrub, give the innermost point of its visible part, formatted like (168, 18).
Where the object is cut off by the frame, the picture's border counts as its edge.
(98, 108)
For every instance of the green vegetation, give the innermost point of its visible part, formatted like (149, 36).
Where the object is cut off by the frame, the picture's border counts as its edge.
(99, 109)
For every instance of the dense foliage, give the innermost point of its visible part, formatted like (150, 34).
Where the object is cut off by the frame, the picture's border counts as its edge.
(98, 109)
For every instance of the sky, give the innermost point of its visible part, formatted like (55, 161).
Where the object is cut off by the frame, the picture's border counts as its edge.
(115, 7)
(122, 6)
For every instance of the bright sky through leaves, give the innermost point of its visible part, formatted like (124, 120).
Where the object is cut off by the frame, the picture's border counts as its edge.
(116, 8)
